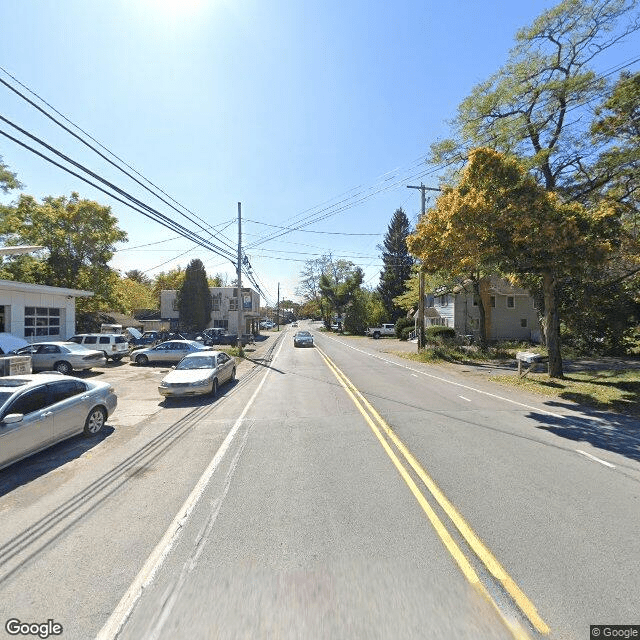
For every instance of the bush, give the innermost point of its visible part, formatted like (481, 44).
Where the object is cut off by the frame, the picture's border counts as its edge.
(438, 333)
(401, 324)
(404, 333)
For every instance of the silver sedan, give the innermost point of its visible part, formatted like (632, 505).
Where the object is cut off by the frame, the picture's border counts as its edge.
(64, 357)
(170, 351)
(302, 339)
(38, 410)
(198, 374)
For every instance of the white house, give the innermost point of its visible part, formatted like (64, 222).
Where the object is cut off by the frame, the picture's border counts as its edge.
(510, 311)
(224, 308)
(38, 312)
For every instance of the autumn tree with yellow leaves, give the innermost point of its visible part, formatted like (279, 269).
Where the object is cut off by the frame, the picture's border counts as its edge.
(499, 220)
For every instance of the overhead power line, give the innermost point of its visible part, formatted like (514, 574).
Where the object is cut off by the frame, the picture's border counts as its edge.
(103, 156)
(149, 213)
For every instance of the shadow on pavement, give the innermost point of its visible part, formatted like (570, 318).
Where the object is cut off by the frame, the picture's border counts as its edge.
(602, 429)
(40, 464)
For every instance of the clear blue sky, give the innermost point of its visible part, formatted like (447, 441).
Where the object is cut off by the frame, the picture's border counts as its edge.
(287, 106)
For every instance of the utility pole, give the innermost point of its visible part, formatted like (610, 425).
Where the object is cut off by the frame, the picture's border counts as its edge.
(423, 193)
(239, 296)
(278, 309)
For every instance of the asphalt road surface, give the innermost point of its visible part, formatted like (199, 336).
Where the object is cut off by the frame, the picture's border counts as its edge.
(332, 492)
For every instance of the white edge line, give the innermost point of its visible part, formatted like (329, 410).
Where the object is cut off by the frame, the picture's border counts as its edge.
(606, 464)
(146, 575)
(467, 399)
(459, 384)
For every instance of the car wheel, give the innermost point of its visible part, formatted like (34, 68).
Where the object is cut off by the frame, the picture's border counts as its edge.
(95, 421)
(116, 358)
(214, 388)
(142, 359)
(63, 367)
(376, 335)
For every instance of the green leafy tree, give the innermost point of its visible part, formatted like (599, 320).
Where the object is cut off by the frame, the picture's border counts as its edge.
(194, 299)
(397, 263)
(132, 294)
(167, 281)
(79, 237)
(338, 285)
(530, 106)
(499, 219)
(356, 318)
(138, 276)
(8, 179)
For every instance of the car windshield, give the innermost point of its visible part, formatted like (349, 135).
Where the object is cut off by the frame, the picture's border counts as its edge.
(4, 396)
(304, 334)
(201, 362)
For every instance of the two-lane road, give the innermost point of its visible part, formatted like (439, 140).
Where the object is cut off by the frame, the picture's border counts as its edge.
(335, 492)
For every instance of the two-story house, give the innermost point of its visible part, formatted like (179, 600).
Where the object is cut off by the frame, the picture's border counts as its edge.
(510, 312)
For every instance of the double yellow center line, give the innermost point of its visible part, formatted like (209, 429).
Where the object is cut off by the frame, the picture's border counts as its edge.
(380, 427)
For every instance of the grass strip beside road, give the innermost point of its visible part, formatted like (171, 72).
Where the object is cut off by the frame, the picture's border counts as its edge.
(615, 390)
(605, 390)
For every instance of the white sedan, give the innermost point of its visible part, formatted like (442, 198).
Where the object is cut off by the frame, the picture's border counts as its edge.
(199, 374)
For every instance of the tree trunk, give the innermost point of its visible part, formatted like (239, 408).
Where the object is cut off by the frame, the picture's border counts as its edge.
(483, 318)
(552, 324)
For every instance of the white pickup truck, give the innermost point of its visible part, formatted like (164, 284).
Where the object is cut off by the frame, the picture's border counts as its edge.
(382, 330)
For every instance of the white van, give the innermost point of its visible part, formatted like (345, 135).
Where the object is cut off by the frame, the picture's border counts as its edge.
(114, 345)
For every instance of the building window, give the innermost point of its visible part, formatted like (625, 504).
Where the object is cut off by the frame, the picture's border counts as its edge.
(41, 321)
(215, 302)
(511, 302)
(220, 324)
(233, 304)
(476, 300)
(174, 304)
(492, 301)
(444, 301)
(523, 322)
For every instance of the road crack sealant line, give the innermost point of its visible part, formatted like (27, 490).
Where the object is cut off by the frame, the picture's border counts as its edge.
(377, 423)
(172, 593)
(107, 485)
(147, 574)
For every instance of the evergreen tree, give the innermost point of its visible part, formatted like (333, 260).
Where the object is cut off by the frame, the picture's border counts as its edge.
(193, 299)
(397, 263)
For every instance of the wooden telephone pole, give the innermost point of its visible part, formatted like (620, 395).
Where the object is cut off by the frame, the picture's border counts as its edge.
(423, 193)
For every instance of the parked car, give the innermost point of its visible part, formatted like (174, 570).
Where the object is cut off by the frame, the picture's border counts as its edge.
(113, 345)
(171, 351)
(9, 342)
(63, 357)
(146, 339)
(199, 373)
(302, 339)
(38, 410)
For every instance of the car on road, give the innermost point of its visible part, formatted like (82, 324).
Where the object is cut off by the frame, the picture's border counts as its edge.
(171, 351)
(199, 374)
(63, 357)
(302, 339)
(113, 345)
(38, 410)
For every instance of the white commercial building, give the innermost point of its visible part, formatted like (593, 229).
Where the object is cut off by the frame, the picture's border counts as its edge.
(38, 312)
(224, 308)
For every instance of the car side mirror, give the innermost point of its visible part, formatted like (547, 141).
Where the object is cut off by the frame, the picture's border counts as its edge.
(12, 418)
